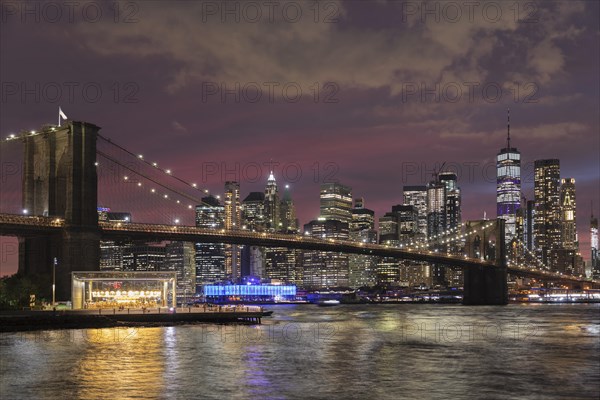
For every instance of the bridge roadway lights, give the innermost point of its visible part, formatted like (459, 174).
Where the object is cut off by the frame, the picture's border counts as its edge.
(485, 286)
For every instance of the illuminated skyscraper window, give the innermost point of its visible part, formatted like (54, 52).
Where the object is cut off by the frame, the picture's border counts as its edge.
(508, 186)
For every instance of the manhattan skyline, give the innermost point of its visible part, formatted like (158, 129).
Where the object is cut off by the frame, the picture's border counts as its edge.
(156, 98)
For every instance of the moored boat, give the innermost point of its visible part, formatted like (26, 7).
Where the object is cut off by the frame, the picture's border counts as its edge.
(328, 303)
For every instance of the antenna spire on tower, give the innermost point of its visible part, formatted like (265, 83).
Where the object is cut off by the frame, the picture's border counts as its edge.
(508, 129)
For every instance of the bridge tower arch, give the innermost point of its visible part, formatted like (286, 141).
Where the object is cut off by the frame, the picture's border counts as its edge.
(60, 180)
(484, 285)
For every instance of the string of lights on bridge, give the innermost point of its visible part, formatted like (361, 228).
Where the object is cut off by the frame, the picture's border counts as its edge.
(533, 256)
(166, 171)
(23, 134)
(139, 157)
(153, 190)
(456, 232)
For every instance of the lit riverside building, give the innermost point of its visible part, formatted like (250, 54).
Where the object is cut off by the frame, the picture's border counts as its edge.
(233, 220)
(272, 203)
(253, 212)
(406, 220)
(180, 257)
(454, 277)
(253, 219)
(547, 226)
(140, 256)
(453, 199)
(336, 202)
(287, 213)
(321, 268)
(436, 224)
(568, 209)
(283, 264)
(529, 218)
(508, 186)
(595, 260)
(210, 257)
(362, 229)
(416, 272)
(111, 251)
(417, 196)
(566, 257)
(411, 273)
(388, 268)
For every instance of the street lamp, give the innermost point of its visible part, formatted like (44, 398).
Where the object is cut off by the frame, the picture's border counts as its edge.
(54, 281)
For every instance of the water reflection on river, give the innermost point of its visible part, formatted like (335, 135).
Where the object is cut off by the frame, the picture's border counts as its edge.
(370, 351)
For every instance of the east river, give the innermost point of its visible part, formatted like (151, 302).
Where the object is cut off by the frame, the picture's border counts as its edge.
(303, 351)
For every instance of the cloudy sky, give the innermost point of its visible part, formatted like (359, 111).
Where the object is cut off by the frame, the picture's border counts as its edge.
(372, 94)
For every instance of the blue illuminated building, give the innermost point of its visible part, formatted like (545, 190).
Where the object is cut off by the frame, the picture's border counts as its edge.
(264, 292)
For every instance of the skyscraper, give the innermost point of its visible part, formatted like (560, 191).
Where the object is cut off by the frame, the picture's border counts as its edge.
(253, 219)
(180, 257)
(141, 256)
(253, 212)
(324, 269)
(388, 268)
(453, 199)
(336, 202)
(362, 268)
(417, 196)
(416, 273)
(111, 251)
(252, 261)
(436, 208)
(568, 210)
(281, 264)
(233, 210)
(529, 218)
(508, 185)
(388, 230)
(454, 277)
(407, 218)
(362, 225)
(565, 256)
(321, 268)
(547, 226)
(595, 256)
(436, 224)
(210, 257)
(233, 220)
(287, 213)
(272, 204)
(397, 228)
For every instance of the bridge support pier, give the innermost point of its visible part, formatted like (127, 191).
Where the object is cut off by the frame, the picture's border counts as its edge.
(485, 286)
(60, 180)
(37, 253)
(80, 252)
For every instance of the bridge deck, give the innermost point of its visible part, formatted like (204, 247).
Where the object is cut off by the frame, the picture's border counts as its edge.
(20, 225)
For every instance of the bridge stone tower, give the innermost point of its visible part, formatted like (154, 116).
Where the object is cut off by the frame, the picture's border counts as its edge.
(60, 180)
(484, 285)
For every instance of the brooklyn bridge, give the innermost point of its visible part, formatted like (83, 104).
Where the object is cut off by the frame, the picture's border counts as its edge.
(59, 218)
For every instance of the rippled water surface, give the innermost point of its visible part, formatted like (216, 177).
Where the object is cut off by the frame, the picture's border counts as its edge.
(305, 351)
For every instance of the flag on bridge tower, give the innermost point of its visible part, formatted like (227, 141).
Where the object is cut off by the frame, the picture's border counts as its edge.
(61, 114)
